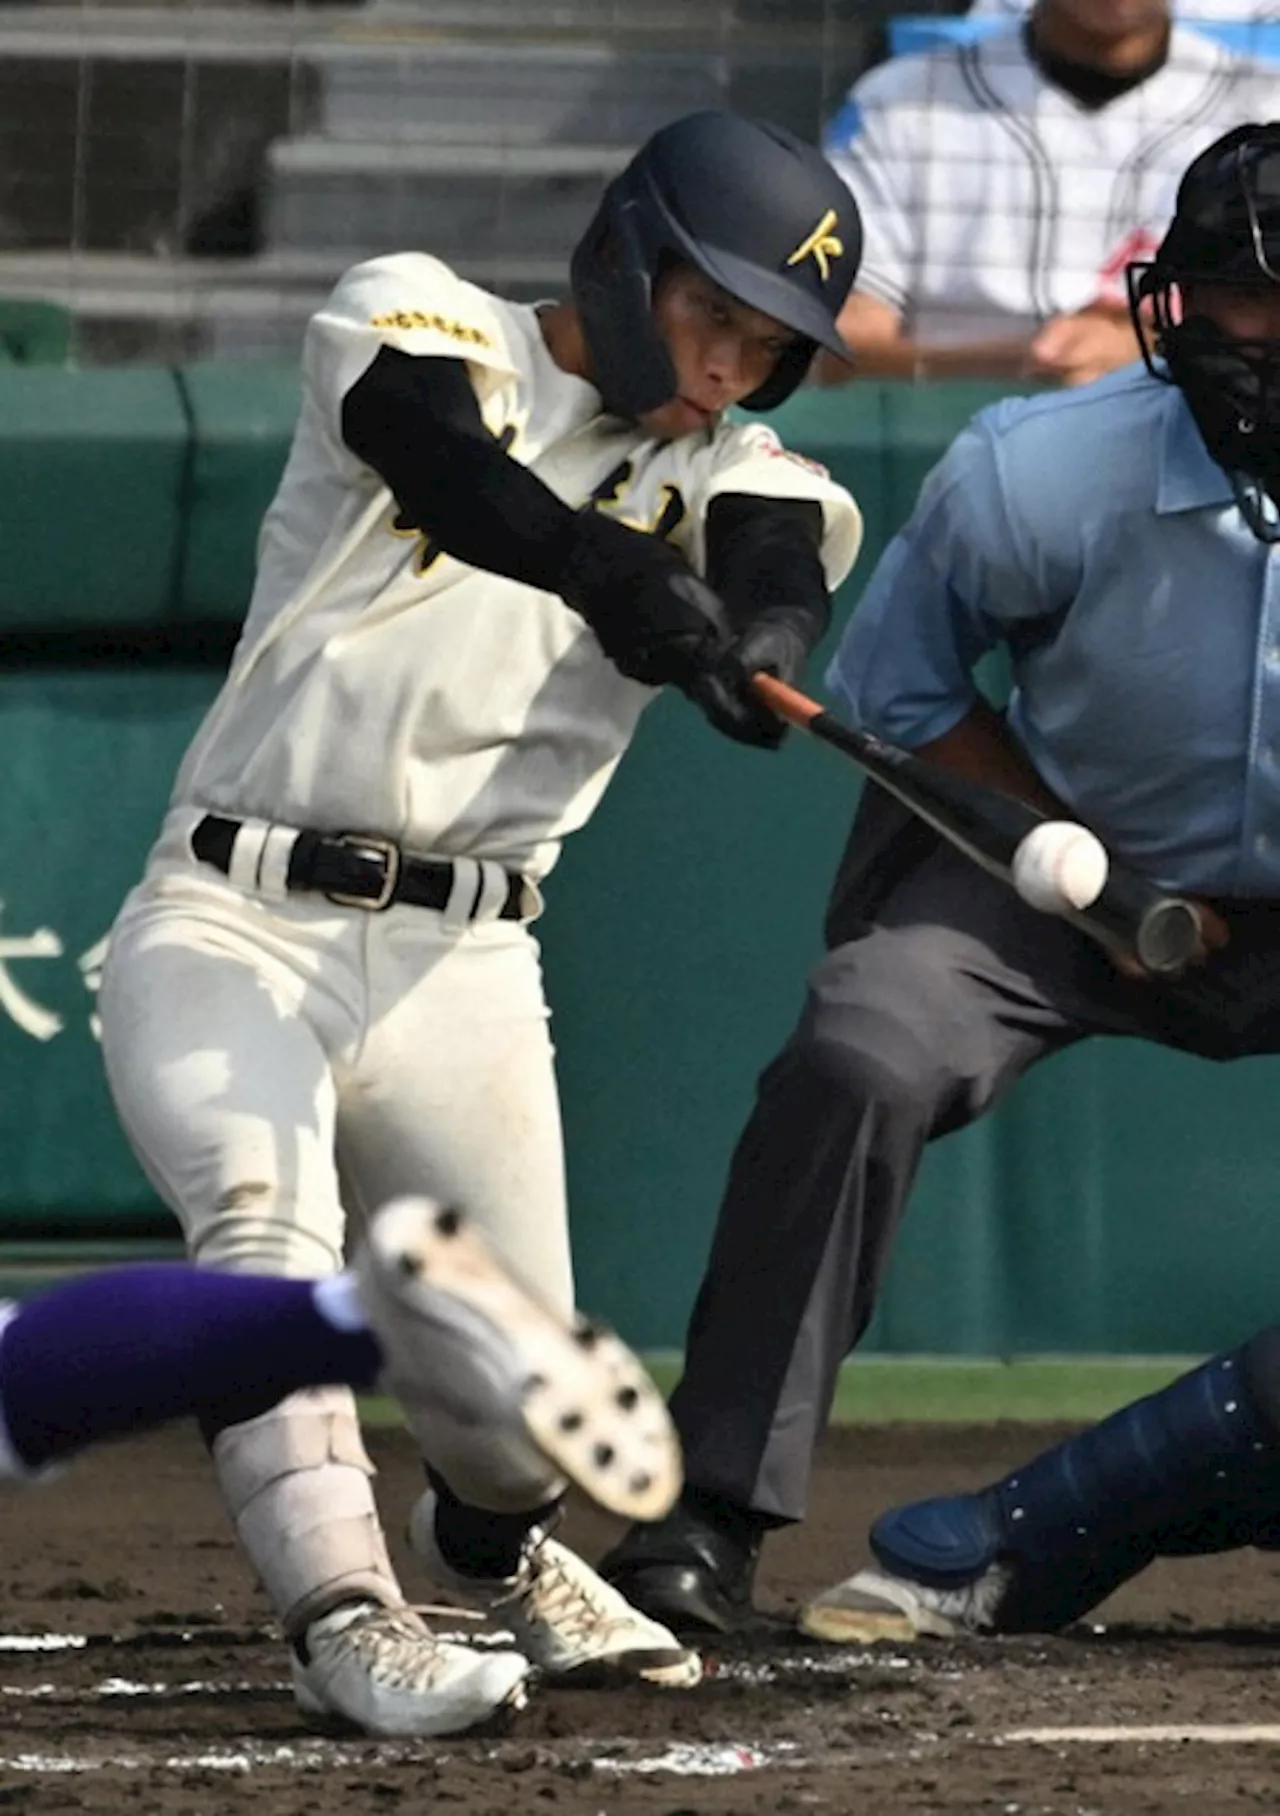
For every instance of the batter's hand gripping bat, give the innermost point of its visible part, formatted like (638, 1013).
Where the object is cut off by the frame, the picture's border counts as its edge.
(1131, 917)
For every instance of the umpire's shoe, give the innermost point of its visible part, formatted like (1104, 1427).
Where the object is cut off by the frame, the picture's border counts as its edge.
(559, 1613)
(483, 1369)
(691, 1570)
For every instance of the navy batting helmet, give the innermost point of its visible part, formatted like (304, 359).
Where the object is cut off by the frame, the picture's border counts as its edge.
(1225, 231)
(757, 210)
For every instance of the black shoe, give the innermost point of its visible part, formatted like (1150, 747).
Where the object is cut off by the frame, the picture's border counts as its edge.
(693, 1576)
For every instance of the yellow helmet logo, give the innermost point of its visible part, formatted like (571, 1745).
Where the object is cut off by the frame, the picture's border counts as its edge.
(821, 245)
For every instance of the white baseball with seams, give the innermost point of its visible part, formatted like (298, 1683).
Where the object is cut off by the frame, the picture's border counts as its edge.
(1060, 867)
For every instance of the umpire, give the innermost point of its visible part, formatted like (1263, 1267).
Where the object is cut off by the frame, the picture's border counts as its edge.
(1121, 542)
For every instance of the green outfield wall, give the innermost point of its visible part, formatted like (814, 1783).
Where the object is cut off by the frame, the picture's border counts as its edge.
(1123, 1200)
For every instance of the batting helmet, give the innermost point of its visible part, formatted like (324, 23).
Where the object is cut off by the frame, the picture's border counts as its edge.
(1225, 231)
(757, 210)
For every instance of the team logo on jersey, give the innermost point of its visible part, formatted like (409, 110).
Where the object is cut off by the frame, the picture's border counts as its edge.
(421, 318)
(821, 246)
(663, 522)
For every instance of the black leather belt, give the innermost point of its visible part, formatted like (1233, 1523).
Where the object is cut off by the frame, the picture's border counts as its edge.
(356, 871)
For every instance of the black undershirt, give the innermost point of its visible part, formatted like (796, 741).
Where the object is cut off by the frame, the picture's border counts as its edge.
(417, 423)
(1092, 88)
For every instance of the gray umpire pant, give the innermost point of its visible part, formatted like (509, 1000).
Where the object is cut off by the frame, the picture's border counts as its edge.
(938, 990)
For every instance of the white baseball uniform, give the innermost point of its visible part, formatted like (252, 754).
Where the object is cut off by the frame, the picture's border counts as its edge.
(277, 1059)
(992, 200)
(1230, 12)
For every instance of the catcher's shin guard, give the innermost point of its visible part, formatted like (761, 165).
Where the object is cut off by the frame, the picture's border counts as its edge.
(298, 1484)
(1192, 1469)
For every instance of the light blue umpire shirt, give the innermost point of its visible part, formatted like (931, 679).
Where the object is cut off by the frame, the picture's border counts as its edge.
(1091, 534)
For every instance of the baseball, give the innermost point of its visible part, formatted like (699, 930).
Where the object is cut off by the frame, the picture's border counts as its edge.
(1059, 867)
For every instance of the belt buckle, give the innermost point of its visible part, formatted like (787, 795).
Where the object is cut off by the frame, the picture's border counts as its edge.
(385, 849)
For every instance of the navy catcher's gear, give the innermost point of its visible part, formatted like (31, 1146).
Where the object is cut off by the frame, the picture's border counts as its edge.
(1187, 1471)
(761, 213)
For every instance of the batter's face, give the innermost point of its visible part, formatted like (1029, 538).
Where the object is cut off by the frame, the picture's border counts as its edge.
(722, 350)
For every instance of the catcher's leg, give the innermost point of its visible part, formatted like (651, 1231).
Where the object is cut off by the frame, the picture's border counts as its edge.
(1192, 1469)
(220, 1054)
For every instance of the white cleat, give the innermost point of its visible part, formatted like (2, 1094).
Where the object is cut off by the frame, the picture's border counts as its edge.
(381, 1670)
(463, 1340)
(872, 1605)
(564, 1617)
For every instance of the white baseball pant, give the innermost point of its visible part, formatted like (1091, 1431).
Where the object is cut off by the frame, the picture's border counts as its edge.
(278, 1064)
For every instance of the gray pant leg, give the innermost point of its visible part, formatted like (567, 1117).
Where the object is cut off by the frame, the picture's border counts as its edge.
(910, 1030)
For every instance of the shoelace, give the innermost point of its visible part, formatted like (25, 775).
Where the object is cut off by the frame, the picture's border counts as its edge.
(398, 1651)
(547, 1590)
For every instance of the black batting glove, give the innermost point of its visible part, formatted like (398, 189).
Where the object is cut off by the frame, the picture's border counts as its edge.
(654, 618)
(724, 691)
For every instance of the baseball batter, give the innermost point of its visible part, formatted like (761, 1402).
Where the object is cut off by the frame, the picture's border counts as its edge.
(499, 530)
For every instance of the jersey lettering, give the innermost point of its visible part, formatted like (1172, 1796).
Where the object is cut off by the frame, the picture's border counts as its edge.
(663, 523)
(421, 318)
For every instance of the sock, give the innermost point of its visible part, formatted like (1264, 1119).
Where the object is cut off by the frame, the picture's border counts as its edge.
(742, 1526)
(477, 1543)
(130, 1347)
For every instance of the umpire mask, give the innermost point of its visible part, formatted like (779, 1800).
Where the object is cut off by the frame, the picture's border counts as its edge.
(1225, 233)
(754, 208)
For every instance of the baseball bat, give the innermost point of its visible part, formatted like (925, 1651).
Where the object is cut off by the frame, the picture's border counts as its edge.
(1131, 916)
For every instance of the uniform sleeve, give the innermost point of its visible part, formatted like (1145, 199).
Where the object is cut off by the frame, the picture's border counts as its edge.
(750, 458)
(950, 586)
(869, 143)
(407, 301)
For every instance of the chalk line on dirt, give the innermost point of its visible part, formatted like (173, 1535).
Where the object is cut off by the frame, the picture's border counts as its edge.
(1214, 1733)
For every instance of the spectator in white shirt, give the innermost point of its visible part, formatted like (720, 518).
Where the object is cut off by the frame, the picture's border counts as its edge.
(1229, 12)
(1004, 185)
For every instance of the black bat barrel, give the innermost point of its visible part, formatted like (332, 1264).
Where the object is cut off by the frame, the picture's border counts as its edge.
(986, 825)
(1163, 930)
(1132, 914)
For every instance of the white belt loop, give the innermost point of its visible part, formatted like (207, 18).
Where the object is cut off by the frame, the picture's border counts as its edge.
(468, 881)
(492, 898)
(273, 868)
(247, 848)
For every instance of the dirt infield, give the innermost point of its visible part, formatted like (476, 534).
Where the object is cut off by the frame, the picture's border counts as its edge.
(139, 1672)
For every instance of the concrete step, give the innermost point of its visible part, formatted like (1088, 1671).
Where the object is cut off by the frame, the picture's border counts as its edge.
(477, 94)
(191, 26)
(618, 19)
(358, 199)
(153, 32)
(131, 309)
(469, 93)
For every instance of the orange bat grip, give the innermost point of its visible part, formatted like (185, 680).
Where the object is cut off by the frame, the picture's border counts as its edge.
(787, 702)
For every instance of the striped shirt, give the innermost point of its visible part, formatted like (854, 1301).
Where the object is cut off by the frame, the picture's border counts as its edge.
(1230, 12)
(993, 201)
